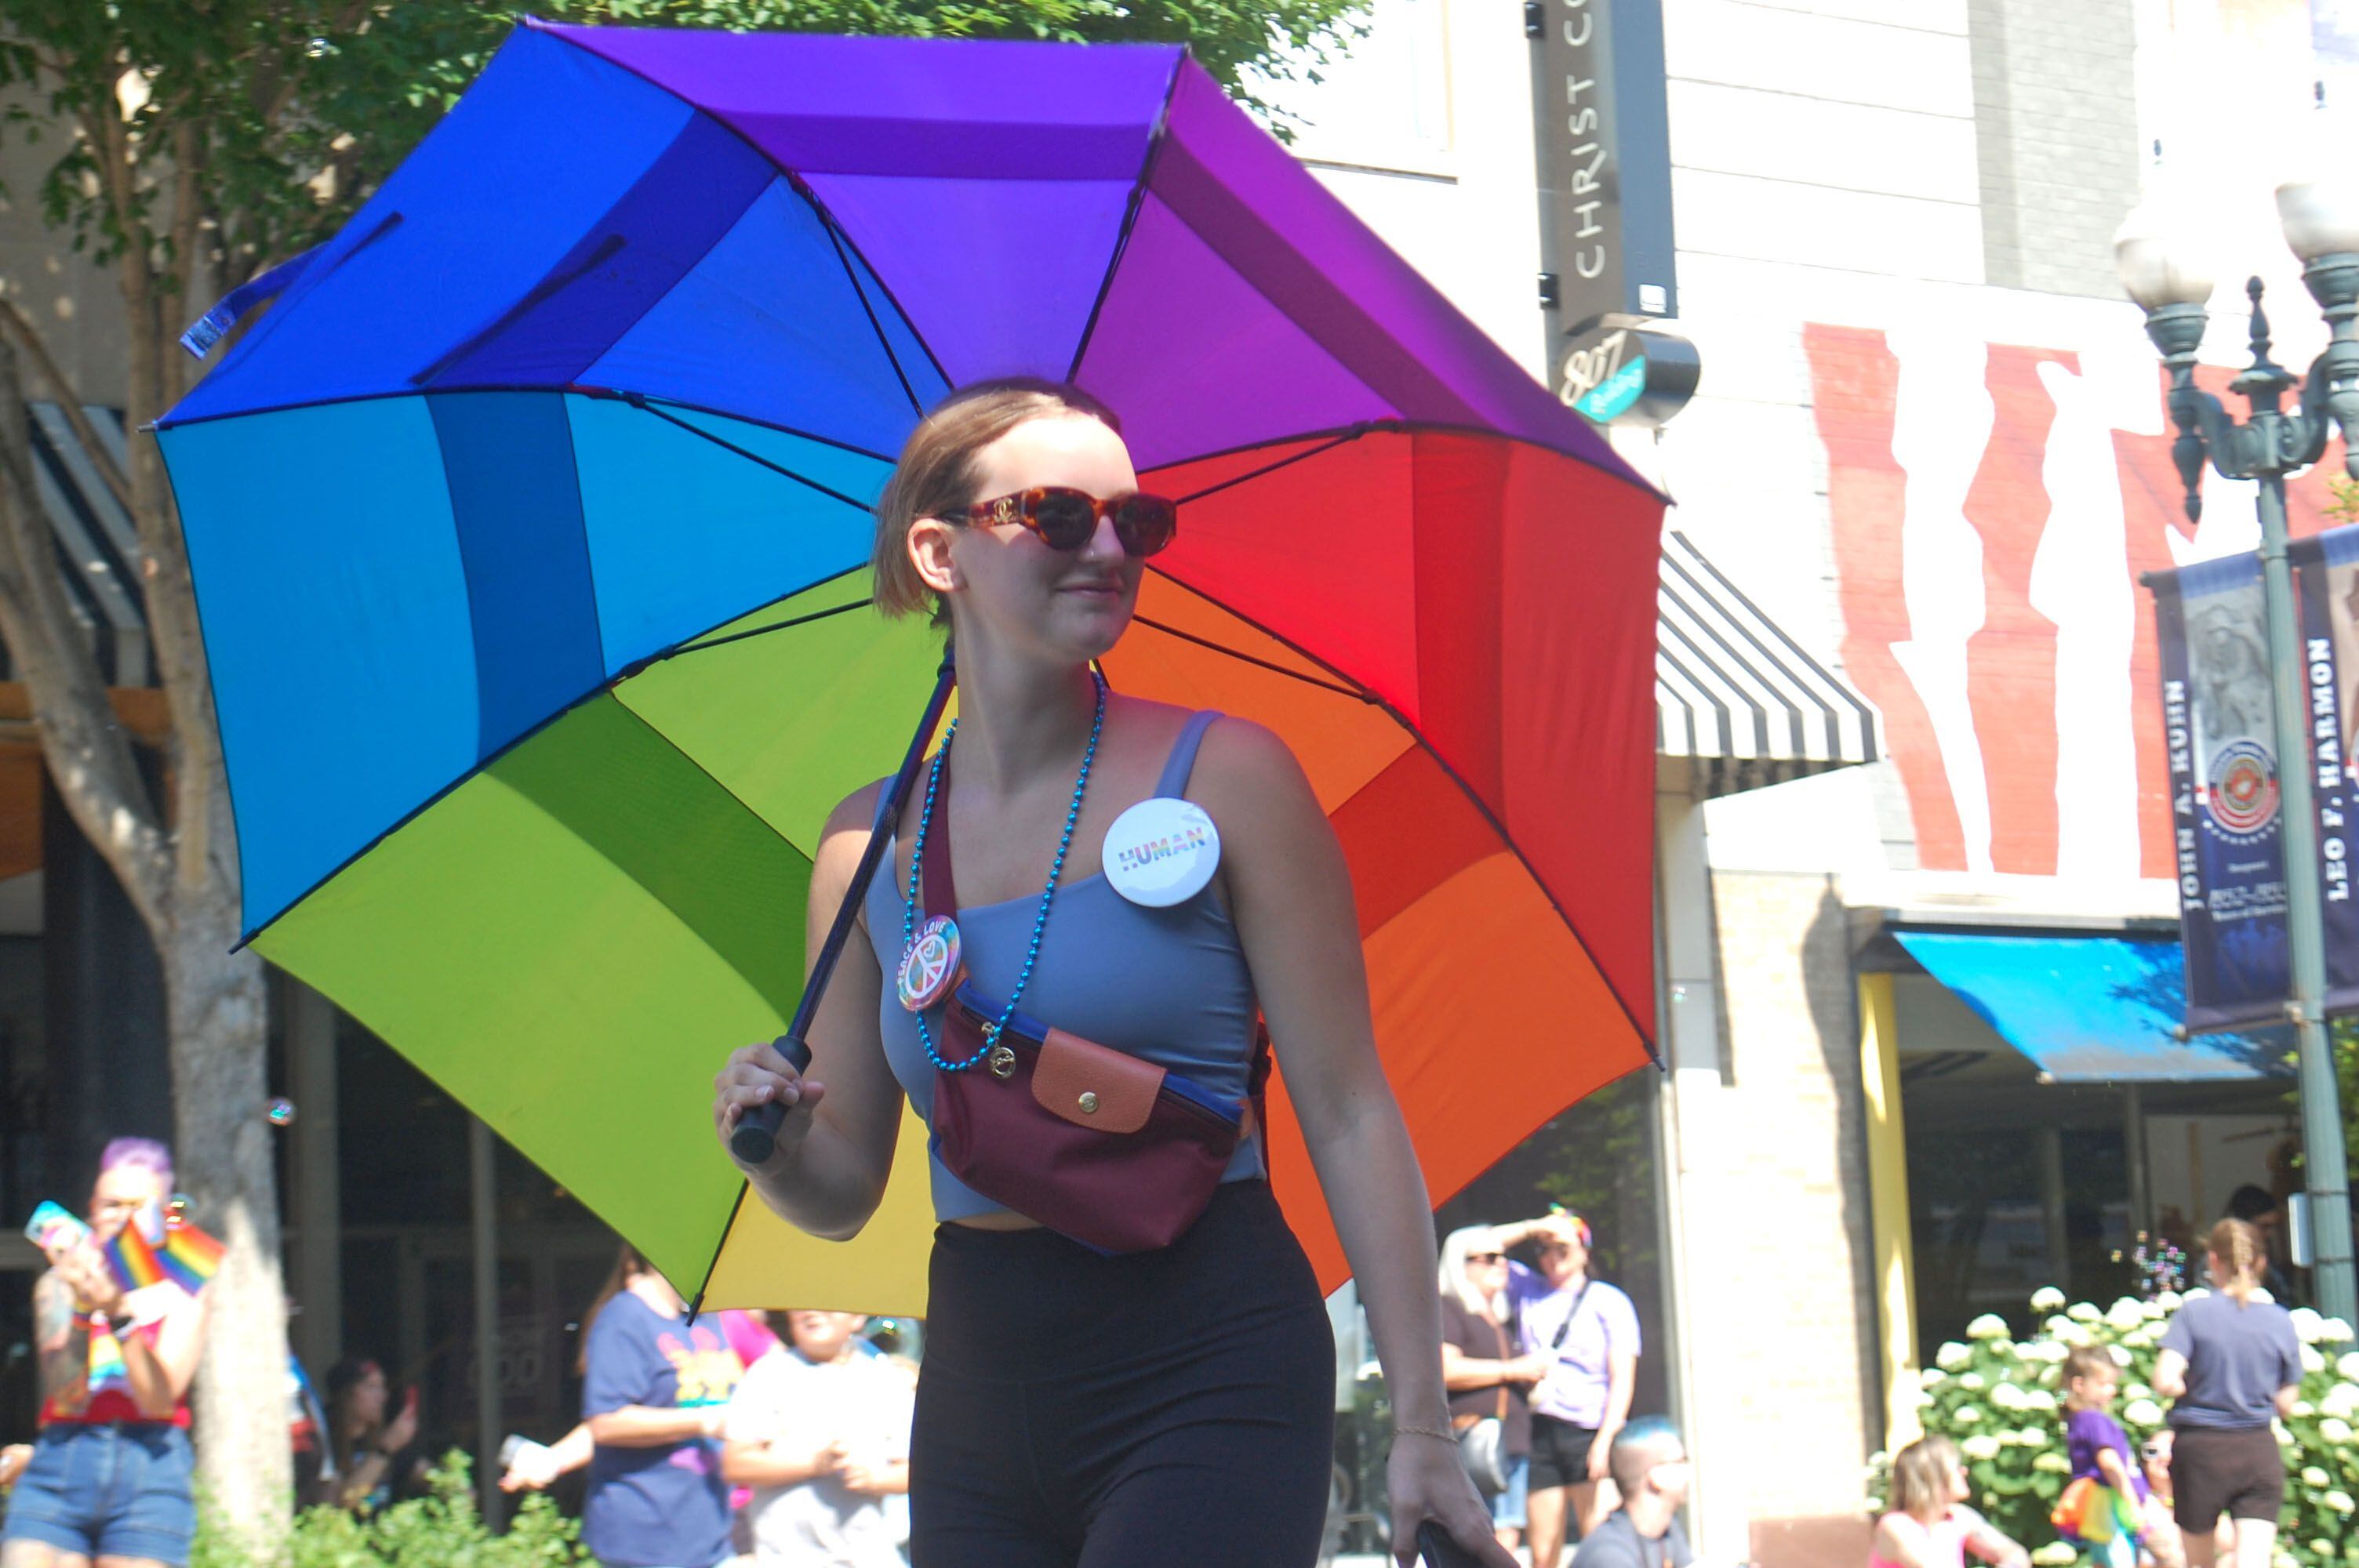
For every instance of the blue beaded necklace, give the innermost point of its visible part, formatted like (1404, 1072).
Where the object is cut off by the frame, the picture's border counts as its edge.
(910, 904)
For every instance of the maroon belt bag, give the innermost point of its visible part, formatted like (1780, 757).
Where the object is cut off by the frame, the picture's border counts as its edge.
(1095, 1143)
(1113, 1152)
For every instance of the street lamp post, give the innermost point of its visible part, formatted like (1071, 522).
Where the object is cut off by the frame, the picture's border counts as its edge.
(2168, 280)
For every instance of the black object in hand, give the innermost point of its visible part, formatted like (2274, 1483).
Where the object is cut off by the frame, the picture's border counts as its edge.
(1434, 1543)
(757, 1129)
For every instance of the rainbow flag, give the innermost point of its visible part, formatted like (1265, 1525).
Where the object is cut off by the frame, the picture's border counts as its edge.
(186, 1257)
(2093, 1512)
(106, 1369)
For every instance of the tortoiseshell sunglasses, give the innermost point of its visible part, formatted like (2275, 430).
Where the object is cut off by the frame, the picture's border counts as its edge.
(1065, 519)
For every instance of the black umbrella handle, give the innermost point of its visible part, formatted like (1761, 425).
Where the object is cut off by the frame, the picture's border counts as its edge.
(757, 1129)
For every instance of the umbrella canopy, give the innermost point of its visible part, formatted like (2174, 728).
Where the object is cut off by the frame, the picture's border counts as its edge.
(529, 528)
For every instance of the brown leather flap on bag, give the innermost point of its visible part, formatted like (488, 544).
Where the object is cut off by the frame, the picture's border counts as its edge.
(1090, 1086)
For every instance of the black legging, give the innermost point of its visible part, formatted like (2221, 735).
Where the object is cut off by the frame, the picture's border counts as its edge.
(1174, 1407)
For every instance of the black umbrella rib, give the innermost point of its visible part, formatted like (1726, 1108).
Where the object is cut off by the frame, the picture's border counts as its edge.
(786, 625)
(640, 401)
(1354, 434)
(827, 222)
(1135, 204)
(1336, 687)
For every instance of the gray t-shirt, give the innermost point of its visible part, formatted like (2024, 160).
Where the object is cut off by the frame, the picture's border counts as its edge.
(2237, 1359)
(1617, 1543)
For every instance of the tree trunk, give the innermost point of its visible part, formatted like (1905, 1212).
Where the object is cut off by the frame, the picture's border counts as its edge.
(222, 1136)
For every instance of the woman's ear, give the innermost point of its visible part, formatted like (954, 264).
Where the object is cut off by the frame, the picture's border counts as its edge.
(929, 552)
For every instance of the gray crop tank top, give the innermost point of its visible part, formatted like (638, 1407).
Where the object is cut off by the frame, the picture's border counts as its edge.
(1168, 985)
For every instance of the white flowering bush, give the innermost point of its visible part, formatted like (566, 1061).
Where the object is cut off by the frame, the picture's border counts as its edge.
(2001, 1399)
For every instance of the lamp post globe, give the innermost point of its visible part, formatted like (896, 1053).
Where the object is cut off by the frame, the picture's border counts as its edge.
(2321, 217)
(2161, 264)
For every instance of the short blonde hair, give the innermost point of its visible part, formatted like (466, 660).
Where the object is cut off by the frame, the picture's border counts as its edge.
(936, 474)
(1920, 1475)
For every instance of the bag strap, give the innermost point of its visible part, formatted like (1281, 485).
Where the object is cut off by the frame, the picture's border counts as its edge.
(939, 887)
(1565, 1327)
(1501, 1330)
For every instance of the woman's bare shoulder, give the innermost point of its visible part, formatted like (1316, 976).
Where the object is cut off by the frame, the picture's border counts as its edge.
(845, 837)
(856, 811)
(1249, 761)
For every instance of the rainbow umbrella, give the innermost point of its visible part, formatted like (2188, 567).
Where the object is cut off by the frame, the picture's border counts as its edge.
(529, 526)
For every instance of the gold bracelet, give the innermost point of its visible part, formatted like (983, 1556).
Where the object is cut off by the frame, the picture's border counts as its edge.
(1401, 1429)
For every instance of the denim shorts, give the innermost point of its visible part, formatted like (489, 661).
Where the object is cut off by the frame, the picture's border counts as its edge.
(117, 1489)
(1508, 1507)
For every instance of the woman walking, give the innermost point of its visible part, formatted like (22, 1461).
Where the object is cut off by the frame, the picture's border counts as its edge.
(2230, 1365)
(109, 1477)
(1488, 1380)
(1172, 1403)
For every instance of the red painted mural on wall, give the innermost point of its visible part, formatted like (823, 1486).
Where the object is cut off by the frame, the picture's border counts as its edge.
(1990, 527)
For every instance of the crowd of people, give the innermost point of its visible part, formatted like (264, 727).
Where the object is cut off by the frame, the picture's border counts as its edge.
(2208, 1487)
(721, 1438)
(1541, 1363)
(784, 1438)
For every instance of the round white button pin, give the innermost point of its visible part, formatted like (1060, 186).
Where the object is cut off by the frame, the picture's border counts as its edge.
(1161, 851)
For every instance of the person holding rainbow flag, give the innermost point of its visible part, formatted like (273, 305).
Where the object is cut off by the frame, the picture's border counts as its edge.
(119, 1322)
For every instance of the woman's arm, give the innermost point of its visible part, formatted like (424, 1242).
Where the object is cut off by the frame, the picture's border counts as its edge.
(752, 1461)
(61, 1338)
(646, 1426)
(1460, 1371)
(1290, 895)
(834, 1152)
(1987, 1541)
(161, 1369)
(1895, 1545)
(2170, 1375)
(876, 1480)
(2286, 1398)
(351, 1486)
(1622, 1378)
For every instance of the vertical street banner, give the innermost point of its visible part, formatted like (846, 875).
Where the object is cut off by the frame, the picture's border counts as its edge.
(2225, 797)
(2327, 587)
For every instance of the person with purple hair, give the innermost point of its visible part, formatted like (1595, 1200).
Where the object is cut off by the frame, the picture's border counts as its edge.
(109, 1478)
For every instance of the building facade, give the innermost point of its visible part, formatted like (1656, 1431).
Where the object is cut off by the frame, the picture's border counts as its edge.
(1907, 701)
(1930, 446)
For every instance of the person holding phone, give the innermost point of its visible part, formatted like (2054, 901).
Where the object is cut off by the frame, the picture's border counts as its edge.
(368, 1448)
(109, 1476)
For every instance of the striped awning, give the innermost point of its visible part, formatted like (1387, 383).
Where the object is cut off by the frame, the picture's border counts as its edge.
(98, 549)
(1737, 695)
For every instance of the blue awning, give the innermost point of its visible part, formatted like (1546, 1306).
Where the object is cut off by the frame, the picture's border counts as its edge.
(2092, 1008)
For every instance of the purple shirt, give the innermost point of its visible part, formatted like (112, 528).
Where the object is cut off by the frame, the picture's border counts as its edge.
(2089, 1431)
(1603, 1325)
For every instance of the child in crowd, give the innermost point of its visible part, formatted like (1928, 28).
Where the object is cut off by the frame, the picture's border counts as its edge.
(2103, 1510)
(1930, 1525)
(819, 1429)
(2160, 1541)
